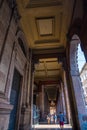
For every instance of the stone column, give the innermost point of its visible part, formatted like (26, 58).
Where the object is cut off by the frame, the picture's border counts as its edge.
(73, 105)
(28, 84)
(77, 87)
(76, 82)
(46, 103)
(24, 87)
(68, 113)
(60, 101)
(71, 92)
(26, 102)
(63, 99)
(41, 99)
(32, 86)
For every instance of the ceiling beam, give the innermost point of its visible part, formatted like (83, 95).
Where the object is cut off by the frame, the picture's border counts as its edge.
(48, 53)
(50, 82)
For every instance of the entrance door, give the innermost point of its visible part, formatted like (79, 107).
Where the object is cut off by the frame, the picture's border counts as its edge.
(14, 99)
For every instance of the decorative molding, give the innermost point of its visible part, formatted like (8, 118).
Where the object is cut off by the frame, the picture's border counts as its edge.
(6, 35)
(39, 3)
(13, 6)
(49, 41)
(58, 51)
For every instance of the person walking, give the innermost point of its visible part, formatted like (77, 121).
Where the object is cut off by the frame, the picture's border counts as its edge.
(55, 118)
(61, 120)
(48, 118)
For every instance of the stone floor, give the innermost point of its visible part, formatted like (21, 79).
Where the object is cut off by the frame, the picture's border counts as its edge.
(51, 127)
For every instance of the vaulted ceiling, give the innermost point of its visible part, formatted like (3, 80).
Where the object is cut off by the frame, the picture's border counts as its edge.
(45, 24)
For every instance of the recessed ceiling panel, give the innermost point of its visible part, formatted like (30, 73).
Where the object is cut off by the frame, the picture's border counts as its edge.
(42, 3)
(40, 73)
(52, 65)
(45, 26)
(53, 73)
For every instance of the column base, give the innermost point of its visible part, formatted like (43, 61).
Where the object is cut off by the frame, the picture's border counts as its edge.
(5, 110)
(25, 119)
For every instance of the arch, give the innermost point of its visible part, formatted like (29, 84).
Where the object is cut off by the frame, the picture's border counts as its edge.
(77, 86)
(22, 41)
(75, 28)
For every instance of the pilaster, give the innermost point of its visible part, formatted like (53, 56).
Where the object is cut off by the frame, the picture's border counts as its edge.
(68, 112)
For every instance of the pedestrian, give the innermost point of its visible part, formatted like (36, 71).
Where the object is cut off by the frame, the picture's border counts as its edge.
(55, 118)
(48, 118)
(61, 120)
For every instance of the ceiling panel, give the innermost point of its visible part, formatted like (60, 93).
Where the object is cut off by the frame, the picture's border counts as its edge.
(42, 3)
(47, 68)
(40, 74)
(52, 65)
(53, 73)
(45, 24)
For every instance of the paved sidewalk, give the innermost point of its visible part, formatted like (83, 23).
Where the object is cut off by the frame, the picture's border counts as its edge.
(51, 127)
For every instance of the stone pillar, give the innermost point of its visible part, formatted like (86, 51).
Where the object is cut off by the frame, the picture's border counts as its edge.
(68, 113)
(28, 83)
(46, 103)
(73, 105)
(72, 99)
(77, 87)
(63, 99)
(32, 86)
(41, 99)
(60, 101)
(30, 89)
(24, 87)
(26, 101)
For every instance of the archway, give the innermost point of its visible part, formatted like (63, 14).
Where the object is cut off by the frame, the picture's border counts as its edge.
(75, 76)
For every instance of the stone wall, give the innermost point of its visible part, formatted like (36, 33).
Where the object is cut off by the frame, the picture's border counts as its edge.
(11, 57)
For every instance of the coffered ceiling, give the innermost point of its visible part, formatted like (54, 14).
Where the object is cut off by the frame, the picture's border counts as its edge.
(45, 24)
(48, 69)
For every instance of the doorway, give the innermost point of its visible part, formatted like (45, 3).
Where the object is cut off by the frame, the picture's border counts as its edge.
(14, 100)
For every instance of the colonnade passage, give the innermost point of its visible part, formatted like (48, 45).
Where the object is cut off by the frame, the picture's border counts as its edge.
(49, 99)
(39, 75)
